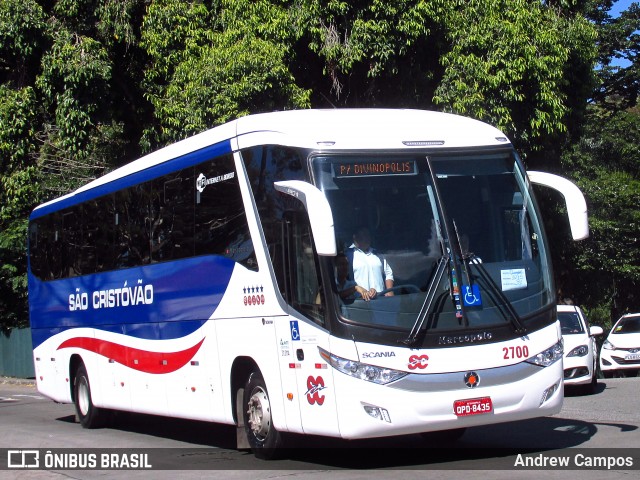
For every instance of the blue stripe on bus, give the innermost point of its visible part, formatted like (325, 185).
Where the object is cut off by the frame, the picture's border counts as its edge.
(163, 301)
(188, 160)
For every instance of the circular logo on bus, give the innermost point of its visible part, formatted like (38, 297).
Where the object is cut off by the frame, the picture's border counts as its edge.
(472, 379)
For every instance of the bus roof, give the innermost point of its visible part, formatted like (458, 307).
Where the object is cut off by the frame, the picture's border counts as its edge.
(367, 129)
(331, 129)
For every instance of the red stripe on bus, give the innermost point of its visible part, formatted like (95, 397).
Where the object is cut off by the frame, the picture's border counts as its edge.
(141, 360)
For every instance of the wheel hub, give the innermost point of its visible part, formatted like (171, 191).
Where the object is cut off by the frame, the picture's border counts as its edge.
(259, 414)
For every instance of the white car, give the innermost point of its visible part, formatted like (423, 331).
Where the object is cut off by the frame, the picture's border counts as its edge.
(620, 353)
(581, 354)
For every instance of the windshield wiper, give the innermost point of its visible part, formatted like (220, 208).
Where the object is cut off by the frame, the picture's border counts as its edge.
(412, 339)
(448, 248)
(501, 302)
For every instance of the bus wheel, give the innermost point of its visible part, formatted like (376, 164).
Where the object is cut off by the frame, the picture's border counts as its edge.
(258, 423)
(89, 415)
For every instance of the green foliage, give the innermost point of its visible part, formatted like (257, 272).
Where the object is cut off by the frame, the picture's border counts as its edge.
(171, 30)
(618, 50)
(87, 85)
(19, 190)
(18, 123)
(201, 77)
(506, 65)
(225, 81)
(606, 166)
(23, 33)
(373, 53)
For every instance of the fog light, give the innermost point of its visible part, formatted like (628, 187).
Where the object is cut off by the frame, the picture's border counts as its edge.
(548, 393)
(377, 412)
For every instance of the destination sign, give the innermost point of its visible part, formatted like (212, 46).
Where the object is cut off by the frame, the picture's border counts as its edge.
(374, 168)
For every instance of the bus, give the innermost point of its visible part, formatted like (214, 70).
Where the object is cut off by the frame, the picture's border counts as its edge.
(200, 281)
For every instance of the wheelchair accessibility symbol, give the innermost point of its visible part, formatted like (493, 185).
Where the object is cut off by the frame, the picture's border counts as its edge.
(295, 333)
(471, 296)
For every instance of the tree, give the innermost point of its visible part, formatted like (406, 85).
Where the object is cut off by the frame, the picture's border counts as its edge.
(88, 85)
(602, 273)
(618, 49)
(505, 62)
(203, 76)
(605, 269)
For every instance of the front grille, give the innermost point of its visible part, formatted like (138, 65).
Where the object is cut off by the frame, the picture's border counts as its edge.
(575, 372)
(622, 361)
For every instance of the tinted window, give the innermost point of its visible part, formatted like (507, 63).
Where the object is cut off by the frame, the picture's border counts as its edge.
(266, 165)
(220, 221)
(194, 211)
(570, 323)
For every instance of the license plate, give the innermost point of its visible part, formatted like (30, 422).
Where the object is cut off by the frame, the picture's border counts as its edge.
(472, 406)
(633, 356)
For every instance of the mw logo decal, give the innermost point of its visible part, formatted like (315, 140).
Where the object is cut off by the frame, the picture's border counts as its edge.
(418, 361)
(314, 386)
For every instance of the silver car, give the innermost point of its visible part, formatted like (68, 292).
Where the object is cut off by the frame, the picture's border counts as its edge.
(581, 354)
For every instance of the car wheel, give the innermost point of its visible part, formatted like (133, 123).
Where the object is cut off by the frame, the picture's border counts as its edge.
(591, 387)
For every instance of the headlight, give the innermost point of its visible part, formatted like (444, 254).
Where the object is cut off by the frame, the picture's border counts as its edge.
(580, 351)
(363, 371)
(548, 357)
(607, 345)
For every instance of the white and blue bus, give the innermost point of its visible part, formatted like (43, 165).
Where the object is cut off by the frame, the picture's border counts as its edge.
(199, 281)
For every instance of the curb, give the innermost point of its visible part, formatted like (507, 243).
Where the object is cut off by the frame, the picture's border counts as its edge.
(17, 381)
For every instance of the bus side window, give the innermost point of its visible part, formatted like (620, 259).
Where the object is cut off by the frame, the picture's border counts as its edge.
(266, 165)
(301, 267)
(221, 226)
(132, 233)
(172, 205)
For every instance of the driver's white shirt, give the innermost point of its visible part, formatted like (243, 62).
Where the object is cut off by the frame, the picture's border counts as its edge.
(368, 269)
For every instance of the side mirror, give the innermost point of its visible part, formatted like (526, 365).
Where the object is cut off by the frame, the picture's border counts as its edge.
(576, 204)
(319, 211)
(595, 330)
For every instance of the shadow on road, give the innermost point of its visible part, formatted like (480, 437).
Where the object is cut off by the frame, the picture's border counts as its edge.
(213, 446)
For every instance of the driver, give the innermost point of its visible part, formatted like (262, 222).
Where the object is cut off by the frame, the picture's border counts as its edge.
(370, 271)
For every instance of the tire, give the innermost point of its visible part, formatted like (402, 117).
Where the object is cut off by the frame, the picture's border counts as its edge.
(592, 386)
(589, 388)
(265, 441)
(88, 414)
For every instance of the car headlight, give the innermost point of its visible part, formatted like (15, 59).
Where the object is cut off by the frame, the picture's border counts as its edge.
(363, 371)
(580, 351)
(548, 357)
(607, 345)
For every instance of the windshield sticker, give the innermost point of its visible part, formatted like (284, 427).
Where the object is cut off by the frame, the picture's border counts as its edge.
(472, 296)
(202, 181)
(513, 279)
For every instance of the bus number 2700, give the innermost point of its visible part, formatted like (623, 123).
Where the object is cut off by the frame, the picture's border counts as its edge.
(516, 352)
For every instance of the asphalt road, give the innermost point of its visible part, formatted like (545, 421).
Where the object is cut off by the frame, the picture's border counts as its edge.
(605, 424)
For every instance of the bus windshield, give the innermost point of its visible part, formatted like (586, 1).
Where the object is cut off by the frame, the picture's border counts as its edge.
(453, 240)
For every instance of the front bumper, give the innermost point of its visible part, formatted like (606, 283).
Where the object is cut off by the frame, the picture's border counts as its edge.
(421, 403)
